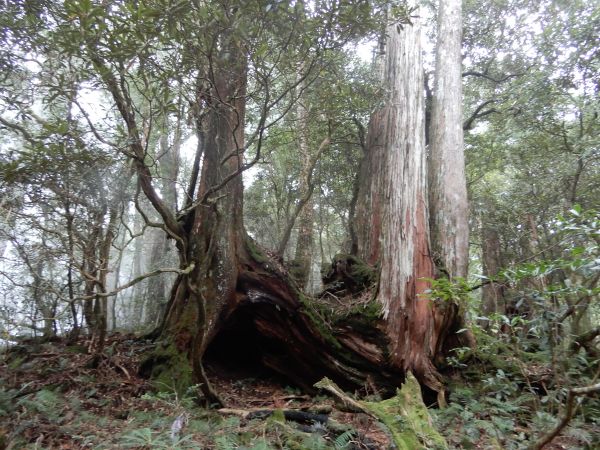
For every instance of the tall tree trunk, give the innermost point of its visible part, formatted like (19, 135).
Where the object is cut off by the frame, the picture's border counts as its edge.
(137, 295)
(304, 247)
(304, 243)
(448, 203)
(156, 287)
(392, 216)
(100, 309)
(201, 300)
(402, 193)
(168, 165)
(112, 308)
(368, 213)
(492, 293)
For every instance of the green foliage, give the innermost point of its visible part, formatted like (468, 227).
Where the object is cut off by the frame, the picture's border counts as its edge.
(146, 437)
(7, 401)
(44, 402)
(344, 439)
(454, 290)
(516, 379)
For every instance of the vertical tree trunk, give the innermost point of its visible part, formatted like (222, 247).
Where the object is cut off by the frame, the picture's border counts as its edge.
(168, 165)
(40, 302)
(136, 308)
(447, 182)
(90, 271)
(155, 289)
(304, 243)
(448, 202)
(113, 301)
(391, 218)
(101, 302)
(368, 213)
(392, 215)
(492, 293)
(304, 246)
(404, 254)
(202, 300)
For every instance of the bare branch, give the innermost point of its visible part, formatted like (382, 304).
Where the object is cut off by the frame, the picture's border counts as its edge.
(478, 113)
(473, 73)
(136, 280)
(573, 394)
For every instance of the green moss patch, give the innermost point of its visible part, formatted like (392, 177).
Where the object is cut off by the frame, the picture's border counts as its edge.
(168, 368)
(407, 418)
(405, 415)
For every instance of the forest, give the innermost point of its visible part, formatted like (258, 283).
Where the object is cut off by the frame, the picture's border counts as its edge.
(328, 224)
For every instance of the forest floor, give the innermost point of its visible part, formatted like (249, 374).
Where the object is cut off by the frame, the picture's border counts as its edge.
(51, 398)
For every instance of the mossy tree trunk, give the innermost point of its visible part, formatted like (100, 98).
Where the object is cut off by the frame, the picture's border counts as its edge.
(232, 278)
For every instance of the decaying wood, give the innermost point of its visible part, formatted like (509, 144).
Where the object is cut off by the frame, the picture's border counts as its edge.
(348, 403)
(293, 415)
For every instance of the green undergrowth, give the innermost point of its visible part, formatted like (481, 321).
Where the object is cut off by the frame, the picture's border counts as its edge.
(158, 421)
(509, 391)
(206, 429)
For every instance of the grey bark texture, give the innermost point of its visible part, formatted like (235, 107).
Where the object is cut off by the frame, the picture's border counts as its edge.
(448, 201)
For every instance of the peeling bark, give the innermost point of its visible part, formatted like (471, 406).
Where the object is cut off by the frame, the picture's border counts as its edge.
(392, 217)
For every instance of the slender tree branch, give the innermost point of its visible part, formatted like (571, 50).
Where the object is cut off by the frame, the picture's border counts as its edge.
(478, 113)
(569, 412)
(474, 73)
(136, 280)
